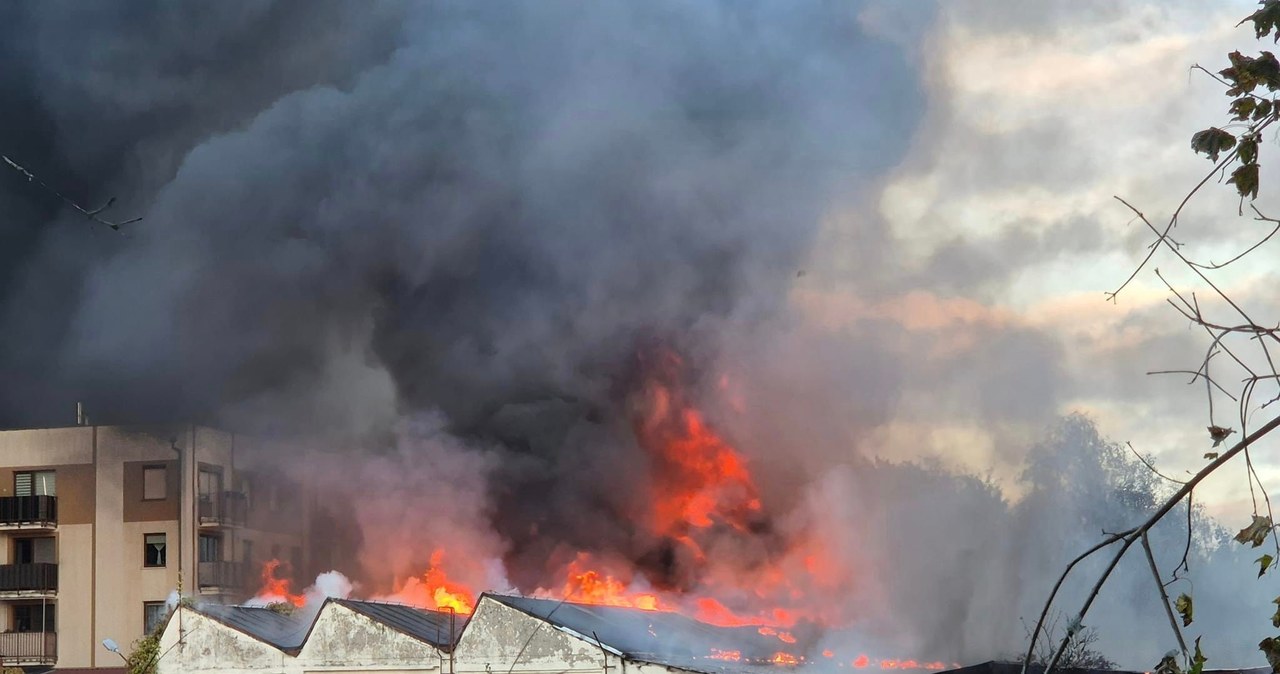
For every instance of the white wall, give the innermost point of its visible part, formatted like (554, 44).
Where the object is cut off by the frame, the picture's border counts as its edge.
(344, 640)
(210, 646)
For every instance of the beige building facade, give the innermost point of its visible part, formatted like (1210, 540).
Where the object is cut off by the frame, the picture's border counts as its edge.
(99, 526)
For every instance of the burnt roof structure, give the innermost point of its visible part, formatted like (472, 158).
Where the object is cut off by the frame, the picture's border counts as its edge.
(657, 637)
(1001, 667)
(438, 628)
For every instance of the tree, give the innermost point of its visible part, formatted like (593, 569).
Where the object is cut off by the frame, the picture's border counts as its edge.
(1231, 330)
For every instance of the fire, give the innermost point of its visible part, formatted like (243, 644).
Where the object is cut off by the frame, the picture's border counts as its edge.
(781, 658)
(728, 656)
(434, 590)
(861, 661)
(588, 586)
(701, 480)
(277, 589)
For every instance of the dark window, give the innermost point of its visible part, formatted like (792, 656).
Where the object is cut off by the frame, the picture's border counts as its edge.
(33, 618)
(247, 547)
(210, 548)
(295, 559)
(35, 551)
(39, 483)
(154, 550)
(210, 482)
(154, 483)
(153, 615)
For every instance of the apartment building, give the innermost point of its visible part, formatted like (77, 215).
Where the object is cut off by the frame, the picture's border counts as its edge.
(100, 524)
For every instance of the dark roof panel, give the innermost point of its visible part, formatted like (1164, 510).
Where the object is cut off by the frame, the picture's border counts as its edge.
(284, 631)
(659, 637)
(438, 628)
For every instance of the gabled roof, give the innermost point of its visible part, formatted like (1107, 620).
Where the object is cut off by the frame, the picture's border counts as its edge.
(658, 637)
(999, 667)
(438, 628)
(284, 631)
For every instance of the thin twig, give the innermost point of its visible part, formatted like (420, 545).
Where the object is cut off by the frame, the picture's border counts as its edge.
(93, 215)
(1164, 596)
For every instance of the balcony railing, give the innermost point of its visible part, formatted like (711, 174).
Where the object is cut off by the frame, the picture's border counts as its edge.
(28, 511)
(221, 575)
(29, 579)
(28, 648)
(224, 508)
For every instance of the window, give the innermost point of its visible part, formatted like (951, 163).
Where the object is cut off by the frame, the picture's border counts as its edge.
(154, 483)
(210, 482)
(153, 615)
(154, 550)
(39, 483)
(210, 548)
(35, 551)
(247, 547)
(33, 618)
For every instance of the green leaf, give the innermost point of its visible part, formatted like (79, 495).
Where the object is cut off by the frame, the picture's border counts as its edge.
(1184, 608)
(1263, 109)
(1248, 150)
(1264, 563)
(1275, 619)
(1256, 532)
(1243, 107)
(1212, 141)
(1197, 660)
(1271, 648)
(1245, 178)
(1265, 19)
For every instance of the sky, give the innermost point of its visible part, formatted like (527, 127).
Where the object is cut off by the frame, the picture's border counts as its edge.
(1004, 229)
(460, 238)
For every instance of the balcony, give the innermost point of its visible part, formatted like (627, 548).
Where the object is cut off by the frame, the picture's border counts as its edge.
(28, 512)
(220, 576)
(28, 580)
(28, 648)
(222, 509)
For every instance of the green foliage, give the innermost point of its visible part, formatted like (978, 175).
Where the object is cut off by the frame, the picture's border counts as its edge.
(1271, 648)
(1264, 563)
(1266, 19)
(1185, 608)
(1252, 82)
(146, 651)
(1197, 660)
(1212, 141)
(1275, 619)
(282, 607)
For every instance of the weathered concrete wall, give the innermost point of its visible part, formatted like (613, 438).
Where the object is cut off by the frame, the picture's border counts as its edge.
(210, 646)
(497, 634)
(343, 640)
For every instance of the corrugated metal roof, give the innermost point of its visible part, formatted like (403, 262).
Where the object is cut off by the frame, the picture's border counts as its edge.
(438, 628)
(659, 637)
(284, 631)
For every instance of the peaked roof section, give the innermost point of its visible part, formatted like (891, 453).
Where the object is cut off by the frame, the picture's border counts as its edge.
(658, 637)
(1001, 667)
(438, 628)
(282, 630)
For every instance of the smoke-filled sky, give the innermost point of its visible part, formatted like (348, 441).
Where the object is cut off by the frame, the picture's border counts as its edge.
(874, 230)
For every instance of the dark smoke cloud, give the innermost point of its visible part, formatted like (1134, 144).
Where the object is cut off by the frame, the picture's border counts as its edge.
(480, 211)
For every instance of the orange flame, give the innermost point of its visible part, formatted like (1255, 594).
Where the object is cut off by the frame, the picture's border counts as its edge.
(781, 658)
(588, 586)
(861, 661)
(434, 590)
(277, 589)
